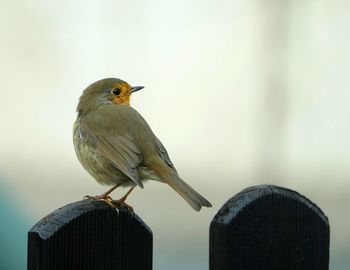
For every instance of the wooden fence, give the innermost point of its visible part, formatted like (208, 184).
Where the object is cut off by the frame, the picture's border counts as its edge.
(262, 227)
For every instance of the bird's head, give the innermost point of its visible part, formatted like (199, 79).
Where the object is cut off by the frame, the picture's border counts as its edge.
(106, 91)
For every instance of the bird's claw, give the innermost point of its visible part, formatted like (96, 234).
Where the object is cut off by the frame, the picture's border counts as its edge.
(113, 203)
(107, 199)
(123, 203)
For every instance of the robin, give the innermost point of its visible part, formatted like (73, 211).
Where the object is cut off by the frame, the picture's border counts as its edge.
(118, 148)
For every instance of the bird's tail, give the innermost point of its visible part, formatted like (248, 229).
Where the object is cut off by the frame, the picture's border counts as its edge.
(181, 187)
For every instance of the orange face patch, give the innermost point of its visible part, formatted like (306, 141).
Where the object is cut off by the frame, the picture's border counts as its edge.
(121, 100)
(124, 96)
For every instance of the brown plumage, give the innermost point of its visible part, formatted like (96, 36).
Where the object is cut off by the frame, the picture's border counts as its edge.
(116, 145)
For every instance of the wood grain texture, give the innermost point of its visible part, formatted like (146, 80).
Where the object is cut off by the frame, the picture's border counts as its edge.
(267, 228)
(90, 235)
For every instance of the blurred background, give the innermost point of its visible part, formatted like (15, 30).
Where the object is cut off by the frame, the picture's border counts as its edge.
(240, 92)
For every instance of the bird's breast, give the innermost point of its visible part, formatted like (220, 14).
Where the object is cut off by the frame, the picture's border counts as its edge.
(93, 162)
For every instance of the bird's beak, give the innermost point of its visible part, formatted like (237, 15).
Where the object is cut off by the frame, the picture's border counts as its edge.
(136, 88)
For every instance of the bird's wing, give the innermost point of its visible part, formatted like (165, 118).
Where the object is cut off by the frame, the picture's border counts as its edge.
(122, 153)
(134, 120)
(118, 147)
(163, 153)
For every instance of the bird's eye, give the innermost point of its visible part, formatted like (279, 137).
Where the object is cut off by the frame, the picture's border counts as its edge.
(116, 91)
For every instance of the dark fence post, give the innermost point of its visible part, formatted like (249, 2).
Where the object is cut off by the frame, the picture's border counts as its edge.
(90, 235)
(269, 227)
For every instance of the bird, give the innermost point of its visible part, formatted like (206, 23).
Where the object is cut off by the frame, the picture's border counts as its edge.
(117, 147)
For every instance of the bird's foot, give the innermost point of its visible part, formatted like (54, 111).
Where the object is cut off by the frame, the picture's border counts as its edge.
(98, 197)
(122, 202)
(109, 200)
(105, 198)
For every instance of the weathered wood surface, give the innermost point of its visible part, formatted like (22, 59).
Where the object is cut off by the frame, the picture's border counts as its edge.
(90, 235)
(260, 228)
(269, 228)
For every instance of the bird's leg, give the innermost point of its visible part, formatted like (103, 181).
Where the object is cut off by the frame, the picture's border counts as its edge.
(104, 196)
(122, 200)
